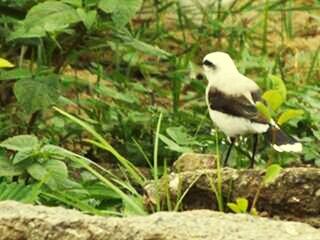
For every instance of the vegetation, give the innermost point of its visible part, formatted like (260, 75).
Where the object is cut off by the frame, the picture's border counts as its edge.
(98, 97)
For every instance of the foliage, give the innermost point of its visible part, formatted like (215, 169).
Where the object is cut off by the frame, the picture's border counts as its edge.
(276, 97)
(5, 64)
(241, 204)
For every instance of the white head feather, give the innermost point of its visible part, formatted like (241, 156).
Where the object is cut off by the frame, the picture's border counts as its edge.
(223, 74)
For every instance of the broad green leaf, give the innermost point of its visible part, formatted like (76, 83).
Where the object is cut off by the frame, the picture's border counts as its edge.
(263, 110)
(46, 17)
(117, 95)
(37, 171)
(38, 93)
(278, 84)
(58, 170)
(54, 172)
(234, 207)
(180, 136)
(288, 115)
(141, 46)
(5, 63)
(174, 146)
(87, 17)
(274, 99)
(54, 150)
(122, 10)
(272, 172)
(76, 3)
(7, 169)
(21, 143)
(15, 74)
(21, 156)
(242, 204)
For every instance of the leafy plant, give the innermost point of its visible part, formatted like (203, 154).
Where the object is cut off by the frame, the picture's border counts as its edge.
(35, 160)
(274, 98)
(44, 163)
(240, 206)
(271, 174)
(179, 140)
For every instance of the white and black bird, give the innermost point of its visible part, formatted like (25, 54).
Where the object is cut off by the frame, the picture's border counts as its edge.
(231, 98)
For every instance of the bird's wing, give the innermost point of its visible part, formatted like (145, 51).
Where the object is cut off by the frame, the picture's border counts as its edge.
(236, 105)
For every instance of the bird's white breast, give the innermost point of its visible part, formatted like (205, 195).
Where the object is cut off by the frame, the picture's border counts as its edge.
(233, 126)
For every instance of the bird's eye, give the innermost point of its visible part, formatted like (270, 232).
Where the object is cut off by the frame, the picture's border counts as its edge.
(209, 64)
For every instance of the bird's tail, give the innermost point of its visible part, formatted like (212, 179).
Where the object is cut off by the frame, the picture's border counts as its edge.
(281, 142)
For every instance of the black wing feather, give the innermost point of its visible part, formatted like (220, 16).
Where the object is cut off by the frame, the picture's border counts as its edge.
(238, 106)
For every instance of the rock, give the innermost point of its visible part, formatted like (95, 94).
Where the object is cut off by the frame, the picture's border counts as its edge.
(22, 221)
(194, 161)
(293, 196)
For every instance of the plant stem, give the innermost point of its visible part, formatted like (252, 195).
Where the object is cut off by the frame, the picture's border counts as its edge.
(265, 27)
(155, 160)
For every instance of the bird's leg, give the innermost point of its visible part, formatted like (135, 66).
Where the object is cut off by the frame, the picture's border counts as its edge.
(232, 139)
(254, 148)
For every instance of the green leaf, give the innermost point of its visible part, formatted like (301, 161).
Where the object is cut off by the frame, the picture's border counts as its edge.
(54, 172)
(5, 63)
(15, 74)
(234, 207)
(57, 169)
(174, 146)
(117, 95)
(54, 150)
(18, 192)
(180, 136)
(122, 10)
(76, 3)
(141, 46)
(7, 169)
(87, 17)
(272, 172)
(263, 110)
(21, 156)
(21, 143)
(46, 17)
(288, 115)
(128, 209)
(278, 84)
(37, 171)
(38, 93)
(242, 204)
(274, 98)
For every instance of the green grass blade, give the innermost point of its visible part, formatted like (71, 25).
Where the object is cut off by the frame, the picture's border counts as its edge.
(133, 171)
(155, 160)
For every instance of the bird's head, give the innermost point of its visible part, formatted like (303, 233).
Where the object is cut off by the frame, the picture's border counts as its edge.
(218, 64)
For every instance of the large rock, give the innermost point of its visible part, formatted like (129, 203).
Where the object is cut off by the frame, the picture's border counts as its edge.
(295, 195)
(20, 221)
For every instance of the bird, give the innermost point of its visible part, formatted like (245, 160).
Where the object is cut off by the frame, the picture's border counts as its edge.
(231, 98)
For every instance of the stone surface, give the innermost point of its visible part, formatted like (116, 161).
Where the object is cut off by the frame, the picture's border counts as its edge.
(293, 196)
(194, 161)
(21, 221)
